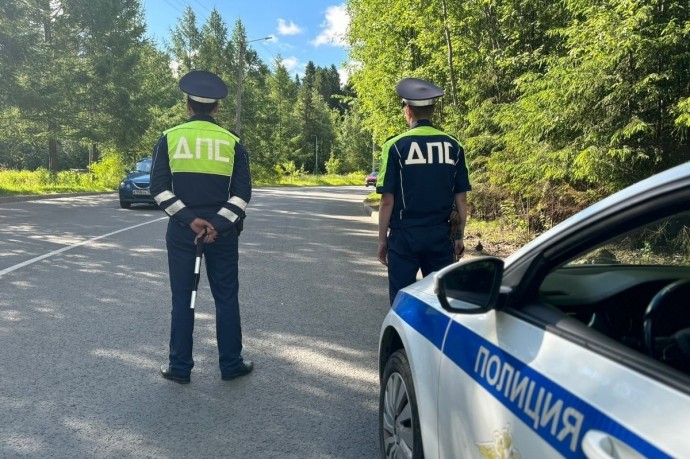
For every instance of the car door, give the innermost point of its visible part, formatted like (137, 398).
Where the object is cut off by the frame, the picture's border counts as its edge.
(510, 389)
(564, 372)
(496, 400)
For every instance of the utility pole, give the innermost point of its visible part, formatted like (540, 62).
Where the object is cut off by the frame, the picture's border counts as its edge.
(240, 77)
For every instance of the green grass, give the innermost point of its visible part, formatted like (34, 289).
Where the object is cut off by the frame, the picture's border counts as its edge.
(313, 180)
(373, 199)
(42, 181)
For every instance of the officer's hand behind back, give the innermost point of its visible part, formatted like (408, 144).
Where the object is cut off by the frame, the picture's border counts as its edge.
(201, 227)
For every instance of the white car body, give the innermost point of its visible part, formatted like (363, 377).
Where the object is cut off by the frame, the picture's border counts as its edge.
(507, 383)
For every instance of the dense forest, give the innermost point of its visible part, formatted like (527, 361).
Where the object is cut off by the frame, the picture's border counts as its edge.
(557, 103)
(80, 81)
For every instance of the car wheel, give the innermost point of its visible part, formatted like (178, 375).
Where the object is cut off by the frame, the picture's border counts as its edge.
(125, 205)
(399, 432)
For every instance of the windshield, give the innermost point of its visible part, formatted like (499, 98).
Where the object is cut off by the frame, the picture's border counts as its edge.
(143, 166)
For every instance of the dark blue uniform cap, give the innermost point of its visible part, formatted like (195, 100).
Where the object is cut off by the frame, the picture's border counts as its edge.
(418, 93)
(203, 86)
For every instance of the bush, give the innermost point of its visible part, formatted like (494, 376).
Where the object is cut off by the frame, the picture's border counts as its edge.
(288, 169)
(108, 171)
(262, 175)
(333, 165)
(357, 177)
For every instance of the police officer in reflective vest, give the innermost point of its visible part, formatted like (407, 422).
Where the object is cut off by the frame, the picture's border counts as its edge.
(423, 174)
(200, 178)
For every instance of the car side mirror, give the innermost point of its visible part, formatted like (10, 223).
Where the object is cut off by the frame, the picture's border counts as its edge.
(469, 287)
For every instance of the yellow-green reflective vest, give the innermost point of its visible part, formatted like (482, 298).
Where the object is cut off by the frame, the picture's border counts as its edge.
(202, 147)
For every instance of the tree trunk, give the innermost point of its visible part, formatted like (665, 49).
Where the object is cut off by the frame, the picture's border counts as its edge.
(449, 45)
(93, 154)
(52, 155)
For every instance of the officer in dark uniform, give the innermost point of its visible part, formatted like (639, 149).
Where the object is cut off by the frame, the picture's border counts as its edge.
(200, 178)
(422, 176)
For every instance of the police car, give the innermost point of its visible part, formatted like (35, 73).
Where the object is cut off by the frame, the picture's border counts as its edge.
(578, 345)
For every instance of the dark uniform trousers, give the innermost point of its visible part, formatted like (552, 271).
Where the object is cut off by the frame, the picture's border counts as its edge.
(410, 249)
(221, 268)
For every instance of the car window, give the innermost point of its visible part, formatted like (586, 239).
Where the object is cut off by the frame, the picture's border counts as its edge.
(662, 243)
(634, 289)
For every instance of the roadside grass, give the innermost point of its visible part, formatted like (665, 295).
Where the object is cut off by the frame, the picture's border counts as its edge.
(373, 199)
(42, 181)
(313, 180)
(496, 238)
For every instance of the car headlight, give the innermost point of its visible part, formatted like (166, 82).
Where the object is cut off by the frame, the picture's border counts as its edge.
(124, 184)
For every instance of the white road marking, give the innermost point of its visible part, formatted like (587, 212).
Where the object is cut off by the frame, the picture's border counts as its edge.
(73, 246)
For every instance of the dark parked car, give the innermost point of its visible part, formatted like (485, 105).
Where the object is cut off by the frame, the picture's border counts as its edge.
(134, 189)
(371, 179)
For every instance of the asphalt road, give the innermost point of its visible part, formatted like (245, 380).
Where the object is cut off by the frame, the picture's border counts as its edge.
(84, 327)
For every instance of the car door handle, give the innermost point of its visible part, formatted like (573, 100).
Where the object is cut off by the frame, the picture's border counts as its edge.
(600, 445)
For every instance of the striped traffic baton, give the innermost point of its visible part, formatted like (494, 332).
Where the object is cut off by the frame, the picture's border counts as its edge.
(197, 266)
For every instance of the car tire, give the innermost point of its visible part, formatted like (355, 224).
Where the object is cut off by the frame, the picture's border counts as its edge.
(399, 429)
(125, 205)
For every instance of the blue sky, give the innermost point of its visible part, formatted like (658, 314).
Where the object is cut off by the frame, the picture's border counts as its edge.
(300, 31)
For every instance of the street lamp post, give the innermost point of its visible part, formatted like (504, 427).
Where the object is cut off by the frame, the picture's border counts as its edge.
(240, 77)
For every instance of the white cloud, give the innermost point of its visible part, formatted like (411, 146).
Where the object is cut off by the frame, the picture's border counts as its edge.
(344, 76)
(290, 63)
(334, 27)
(288, 28)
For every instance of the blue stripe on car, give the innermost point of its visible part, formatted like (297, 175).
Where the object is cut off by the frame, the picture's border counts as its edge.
(428, 321)
(555, 414)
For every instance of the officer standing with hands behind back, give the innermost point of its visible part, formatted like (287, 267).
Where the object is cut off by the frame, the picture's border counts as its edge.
(200, 178)
(423, 175)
